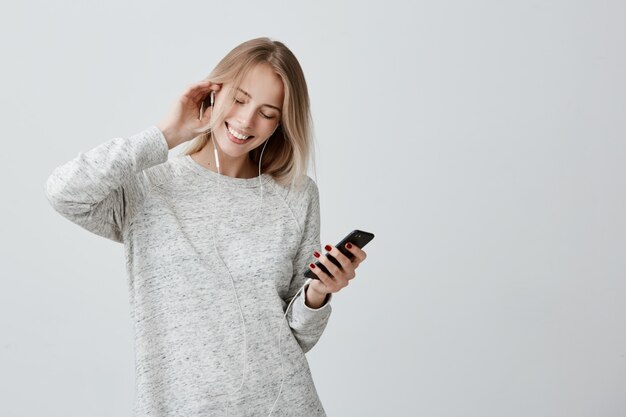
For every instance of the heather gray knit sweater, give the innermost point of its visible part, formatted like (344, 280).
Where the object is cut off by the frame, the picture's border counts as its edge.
(189, 337)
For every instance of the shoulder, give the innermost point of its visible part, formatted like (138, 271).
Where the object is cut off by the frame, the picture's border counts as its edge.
(163, 173)
(301, 197)
(299, 193)
(306, 188)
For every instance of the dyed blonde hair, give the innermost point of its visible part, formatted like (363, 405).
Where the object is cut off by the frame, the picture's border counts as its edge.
(287, 152)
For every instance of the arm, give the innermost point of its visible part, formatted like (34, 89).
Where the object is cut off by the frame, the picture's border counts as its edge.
(99, 189)
(306, 321)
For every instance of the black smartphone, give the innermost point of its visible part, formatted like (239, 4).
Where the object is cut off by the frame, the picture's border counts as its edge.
(358, 238)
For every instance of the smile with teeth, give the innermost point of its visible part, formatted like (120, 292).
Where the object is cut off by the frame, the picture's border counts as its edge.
(237, 134)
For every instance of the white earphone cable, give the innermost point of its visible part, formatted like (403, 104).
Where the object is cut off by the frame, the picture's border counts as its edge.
(282, 377)
(245, 361)
(245, 339)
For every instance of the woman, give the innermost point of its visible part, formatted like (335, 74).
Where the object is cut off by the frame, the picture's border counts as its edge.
(215, 249)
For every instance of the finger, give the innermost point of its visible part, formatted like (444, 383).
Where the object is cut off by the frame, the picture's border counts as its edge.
(330, 266)
(198, 91)
(358, 253)
(356, 262)
(340, 257)
(206, 86)
(346, 265)
(323, 276)
(339, 275)
(204, 96)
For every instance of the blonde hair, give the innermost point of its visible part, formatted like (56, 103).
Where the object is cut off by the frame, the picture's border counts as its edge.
(287, 151)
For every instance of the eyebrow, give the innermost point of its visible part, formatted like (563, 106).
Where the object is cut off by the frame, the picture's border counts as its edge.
(248, 94)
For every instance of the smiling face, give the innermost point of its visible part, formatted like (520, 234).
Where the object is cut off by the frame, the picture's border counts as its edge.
(255, 113)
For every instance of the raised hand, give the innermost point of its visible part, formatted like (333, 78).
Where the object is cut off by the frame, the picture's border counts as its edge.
(183, 121)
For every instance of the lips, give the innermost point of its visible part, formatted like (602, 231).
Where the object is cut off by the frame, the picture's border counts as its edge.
(237, 130)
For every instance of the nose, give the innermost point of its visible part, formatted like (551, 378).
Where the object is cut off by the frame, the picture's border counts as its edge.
(245, 116)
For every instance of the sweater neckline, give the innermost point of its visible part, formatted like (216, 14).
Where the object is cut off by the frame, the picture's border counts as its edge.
(188, 161)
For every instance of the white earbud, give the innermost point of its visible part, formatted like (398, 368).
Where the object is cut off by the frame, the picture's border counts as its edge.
(217, 158)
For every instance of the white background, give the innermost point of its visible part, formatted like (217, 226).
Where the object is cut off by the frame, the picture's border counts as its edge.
(482, 142)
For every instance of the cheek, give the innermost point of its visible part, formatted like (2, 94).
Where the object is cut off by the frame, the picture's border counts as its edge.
(268, 125)
(227, 111)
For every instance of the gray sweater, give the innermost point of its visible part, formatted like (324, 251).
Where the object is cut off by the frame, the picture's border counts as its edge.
(189, 335)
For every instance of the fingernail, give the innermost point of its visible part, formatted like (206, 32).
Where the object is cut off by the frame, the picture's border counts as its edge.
(316, 254)
(327, 247)
(348, 245)
(312, 265)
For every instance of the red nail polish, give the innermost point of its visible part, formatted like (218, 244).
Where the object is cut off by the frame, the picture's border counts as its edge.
(348, 245)
(327, 247)
(312, 265)
(316, 254)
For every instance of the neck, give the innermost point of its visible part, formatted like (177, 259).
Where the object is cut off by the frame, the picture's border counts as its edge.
(233, 167)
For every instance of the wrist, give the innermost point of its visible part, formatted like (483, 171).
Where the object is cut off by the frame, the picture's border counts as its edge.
(317, 292)
(171, 136)
(313, 298)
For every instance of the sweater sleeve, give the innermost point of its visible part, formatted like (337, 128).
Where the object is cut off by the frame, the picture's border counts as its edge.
(99, 189)
(307, 324)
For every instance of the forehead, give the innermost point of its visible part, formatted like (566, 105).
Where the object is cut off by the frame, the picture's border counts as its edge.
(264, 85)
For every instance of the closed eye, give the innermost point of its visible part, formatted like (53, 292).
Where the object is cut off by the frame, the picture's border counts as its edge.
(262, 114)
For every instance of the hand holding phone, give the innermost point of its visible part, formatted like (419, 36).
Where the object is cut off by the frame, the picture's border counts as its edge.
(358, 238)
